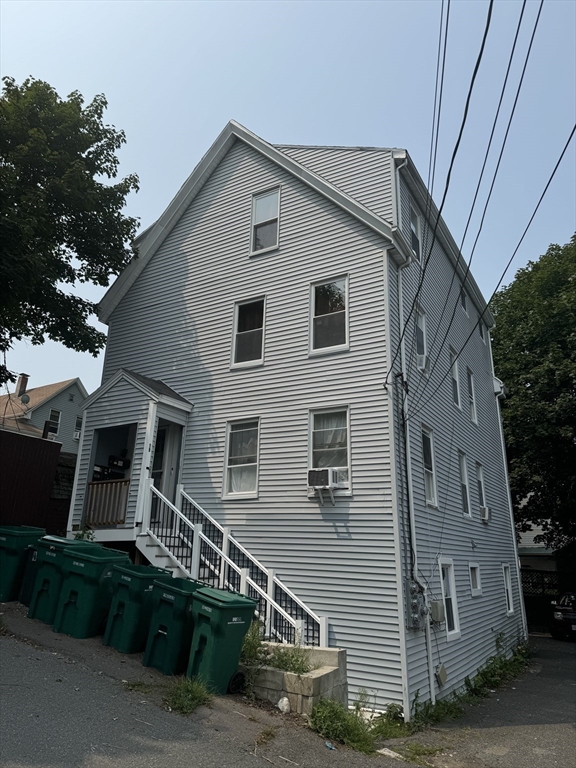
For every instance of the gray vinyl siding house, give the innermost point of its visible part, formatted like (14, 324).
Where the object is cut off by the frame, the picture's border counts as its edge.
(171, 368)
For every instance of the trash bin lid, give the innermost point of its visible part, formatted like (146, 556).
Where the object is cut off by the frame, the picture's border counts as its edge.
(142, 571)
(179, 586)
(96, 554)
(21, 530)
(223, 599)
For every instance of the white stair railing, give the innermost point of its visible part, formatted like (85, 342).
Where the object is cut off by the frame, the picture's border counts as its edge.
(206, 551)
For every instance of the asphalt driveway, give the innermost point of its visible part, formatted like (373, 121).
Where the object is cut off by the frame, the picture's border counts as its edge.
(68, 703)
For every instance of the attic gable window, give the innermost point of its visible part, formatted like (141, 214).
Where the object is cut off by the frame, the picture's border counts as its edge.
(265, 215)
(54, 420)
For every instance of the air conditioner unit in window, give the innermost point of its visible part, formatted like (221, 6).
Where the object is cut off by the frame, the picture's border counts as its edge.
(422, 362)
(485, 514)
(323, 478)
(77, 435)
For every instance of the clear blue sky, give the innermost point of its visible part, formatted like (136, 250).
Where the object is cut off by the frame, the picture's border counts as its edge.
(341, 73)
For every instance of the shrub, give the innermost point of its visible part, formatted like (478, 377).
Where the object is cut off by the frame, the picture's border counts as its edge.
(184, 695)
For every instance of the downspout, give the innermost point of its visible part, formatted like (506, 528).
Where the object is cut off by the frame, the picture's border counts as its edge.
(411, 513)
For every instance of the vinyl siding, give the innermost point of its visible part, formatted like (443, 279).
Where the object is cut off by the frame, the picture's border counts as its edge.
(176, 324)
(364, 174)
(69, 410)
(446, 531)
(122, 404)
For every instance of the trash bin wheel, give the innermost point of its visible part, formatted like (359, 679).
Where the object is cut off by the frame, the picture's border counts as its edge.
(237, 683)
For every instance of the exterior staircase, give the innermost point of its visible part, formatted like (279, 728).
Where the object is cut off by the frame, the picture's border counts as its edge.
(186, 540)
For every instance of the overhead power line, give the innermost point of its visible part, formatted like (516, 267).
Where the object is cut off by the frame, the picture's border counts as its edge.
(488, 198)
(446, 187)
(413, 410)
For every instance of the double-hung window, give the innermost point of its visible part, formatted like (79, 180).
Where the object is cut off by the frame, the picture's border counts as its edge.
(242, 458)
(428, 460)
(508, 589)
(421, 347)
(464, 489)
(471, 396)
(475, 583)
(265, 216)
(415, 233)
(464, 300)
(54, 419)
(449, 598)
(480, 486)
(249, 332)
(329, 321)
(454, 377)
(330, 443)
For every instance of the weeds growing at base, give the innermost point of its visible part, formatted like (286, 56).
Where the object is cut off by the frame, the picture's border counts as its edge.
(184, 695)
(351, 726)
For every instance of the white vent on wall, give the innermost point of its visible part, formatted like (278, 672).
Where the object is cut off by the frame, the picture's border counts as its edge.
(77, 435)
(485, 514)
(323, 478)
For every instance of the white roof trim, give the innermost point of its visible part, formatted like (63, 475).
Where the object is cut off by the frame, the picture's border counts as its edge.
(150, 393)
(154, 236)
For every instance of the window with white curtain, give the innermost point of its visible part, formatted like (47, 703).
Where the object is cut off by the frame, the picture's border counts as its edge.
(242, 458)
(330, 443)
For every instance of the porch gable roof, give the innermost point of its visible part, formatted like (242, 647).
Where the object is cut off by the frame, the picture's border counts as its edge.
(154, 389)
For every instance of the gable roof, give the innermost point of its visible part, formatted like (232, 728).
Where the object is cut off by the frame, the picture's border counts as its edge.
(152, 238)
(12, 407)
(153, 388)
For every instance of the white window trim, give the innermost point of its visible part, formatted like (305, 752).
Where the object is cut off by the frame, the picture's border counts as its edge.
(455, 376)
(507, 575)
(480, 481)
(228, 495)
(247, 363)
(429, 502)
(455, 634)
(270, 247)
(414, 211)
(482, 330)
(423, 368)
(463, 471)
(338, 347)
(464, 304)
(475, 591)
(54, 421)
(471, 394)
(330, 409)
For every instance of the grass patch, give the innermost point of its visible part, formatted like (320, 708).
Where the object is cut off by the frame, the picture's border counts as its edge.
(256, 654)
(290, 658)
(417, 753)
(391, 724)
(184, 695)
(138, 685)
(266, 736)
(347, 726)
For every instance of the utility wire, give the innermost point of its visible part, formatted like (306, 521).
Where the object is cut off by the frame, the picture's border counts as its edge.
(418, 407)
(446, 187)
(489, 196)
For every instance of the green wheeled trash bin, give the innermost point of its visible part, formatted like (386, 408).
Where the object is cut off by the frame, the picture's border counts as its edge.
(14, 539)
(171, 626)
(131, 608)
(48, 581)
(86, 592)
(30, 573)
(221, 620)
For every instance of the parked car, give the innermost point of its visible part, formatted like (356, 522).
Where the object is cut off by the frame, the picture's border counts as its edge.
(563, 622)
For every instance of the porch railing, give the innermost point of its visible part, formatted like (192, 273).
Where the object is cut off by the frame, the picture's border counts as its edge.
(106, 503)
(206, 550)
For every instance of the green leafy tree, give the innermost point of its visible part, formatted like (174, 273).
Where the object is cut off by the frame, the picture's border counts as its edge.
(534, 346)
(61, 223)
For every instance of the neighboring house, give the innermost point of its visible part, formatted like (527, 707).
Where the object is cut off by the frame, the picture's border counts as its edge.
(256, 338)
(59, 404)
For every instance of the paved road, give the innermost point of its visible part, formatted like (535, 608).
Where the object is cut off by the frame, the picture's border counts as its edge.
(63, 705)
